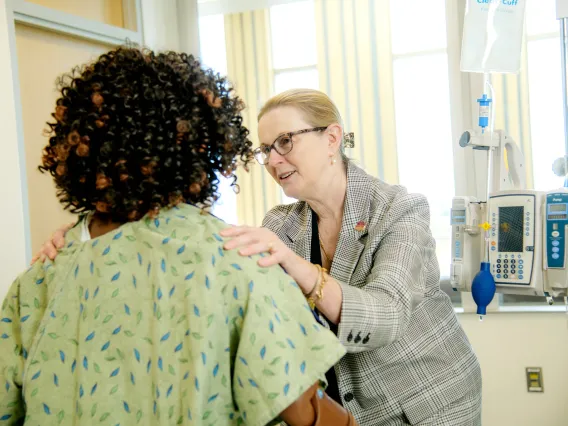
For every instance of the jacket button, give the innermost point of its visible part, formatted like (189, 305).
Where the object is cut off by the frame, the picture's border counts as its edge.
(350, 337)
(366, 339)
(348, 397)
(358, 338)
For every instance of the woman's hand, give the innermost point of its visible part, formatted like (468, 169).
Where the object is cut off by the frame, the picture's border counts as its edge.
(51, 247)
(251, 241)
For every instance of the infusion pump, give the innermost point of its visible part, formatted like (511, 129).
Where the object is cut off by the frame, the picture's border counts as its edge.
(526, 241)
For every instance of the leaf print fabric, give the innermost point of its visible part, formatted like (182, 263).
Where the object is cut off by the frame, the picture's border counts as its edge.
(155, 324)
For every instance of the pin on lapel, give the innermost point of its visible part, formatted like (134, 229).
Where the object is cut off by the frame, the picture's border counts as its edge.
(360, 226)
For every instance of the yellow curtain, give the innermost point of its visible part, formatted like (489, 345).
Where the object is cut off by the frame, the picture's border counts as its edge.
(512, 112)
(355, 70)
(250, 71)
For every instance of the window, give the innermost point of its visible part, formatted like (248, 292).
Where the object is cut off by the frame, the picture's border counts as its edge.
(545, 91)
(294, 78)
(213, 55)
(294, 53)
(421, 92)
(212, 47)
(292, 48)
(422, 108)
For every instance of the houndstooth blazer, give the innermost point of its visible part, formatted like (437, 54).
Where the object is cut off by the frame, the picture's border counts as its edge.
(407, 356)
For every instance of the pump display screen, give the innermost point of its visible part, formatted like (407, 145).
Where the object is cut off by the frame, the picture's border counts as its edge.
(511, 229)
(557, 208)
(557, 211)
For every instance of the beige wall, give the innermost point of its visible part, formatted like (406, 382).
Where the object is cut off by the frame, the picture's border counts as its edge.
(42, 57)
(507, 343)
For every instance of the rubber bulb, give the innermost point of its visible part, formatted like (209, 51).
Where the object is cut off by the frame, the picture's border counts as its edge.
(483, 288)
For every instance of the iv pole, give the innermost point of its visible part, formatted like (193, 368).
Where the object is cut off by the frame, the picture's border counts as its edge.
(562, 15)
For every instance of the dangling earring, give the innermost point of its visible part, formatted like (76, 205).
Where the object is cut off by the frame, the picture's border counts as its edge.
(333, 160)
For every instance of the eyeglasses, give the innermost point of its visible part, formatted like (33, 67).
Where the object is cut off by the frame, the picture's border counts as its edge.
(282, 145)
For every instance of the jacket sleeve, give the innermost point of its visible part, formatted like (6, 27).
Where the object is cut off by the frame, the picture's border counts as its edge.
(404, 271)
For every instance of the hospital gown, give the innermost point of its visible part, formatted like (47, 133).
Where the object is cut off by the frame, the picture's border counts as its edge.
(155, 324)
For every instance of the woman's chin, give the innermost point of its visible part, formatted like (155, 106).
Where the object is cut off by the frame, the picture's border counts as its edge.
(292, 194)
(293, 188)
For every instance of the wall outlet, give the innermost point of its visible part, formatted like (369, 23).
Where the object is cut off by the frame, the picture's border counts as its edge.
(534, 379)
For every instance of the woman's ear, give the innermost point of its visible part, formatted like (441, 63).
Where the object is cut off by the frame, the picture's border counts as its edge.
(335, 133)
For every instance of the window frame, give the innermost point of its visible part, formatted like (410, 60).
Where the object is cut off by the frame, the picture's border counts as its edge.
(61, 22)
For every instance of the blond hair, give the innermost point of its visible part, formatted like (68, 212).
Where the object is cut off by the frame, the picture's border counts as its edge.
(318, 109)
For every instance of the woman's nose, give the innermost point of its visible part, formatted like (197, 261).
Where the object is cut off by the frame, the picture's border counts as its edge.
(275, 158)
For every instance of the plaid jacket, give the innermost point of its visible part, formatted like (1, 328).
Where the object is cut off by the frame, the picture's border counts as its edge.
(407, 355)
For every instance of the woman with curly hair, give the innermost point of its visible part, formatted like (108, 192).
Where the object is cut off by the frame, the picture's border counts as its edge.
(144, 318)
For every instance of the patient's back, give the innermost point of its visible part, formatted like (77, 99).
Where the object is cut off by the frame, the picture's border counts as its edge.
(155, 323)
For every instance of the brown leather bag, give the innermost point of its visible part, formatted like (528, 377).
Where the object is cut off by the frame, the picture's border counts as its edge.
(316, 408)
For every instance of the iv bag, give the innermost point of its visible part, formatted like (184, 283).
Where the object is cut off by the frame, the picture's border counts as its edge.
(492, 36)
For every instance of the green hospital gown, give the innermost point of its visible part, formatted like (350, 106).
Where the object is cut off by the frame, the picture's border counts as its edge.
(155, 324)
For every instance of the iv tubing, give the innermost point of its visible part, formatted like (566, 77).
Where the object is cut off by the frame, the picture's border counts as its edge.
(491, 95)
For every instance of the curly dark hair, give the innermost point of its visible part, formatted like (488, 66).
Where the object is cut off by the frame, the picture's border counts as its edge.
(137, 131)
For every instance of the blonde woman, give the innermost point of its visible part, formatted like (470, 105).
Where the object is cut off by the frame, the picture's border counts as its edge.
(408, 360)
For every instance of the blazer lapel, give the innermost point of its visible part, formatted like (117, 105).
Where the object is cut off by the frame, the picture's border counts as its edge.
(298, 229)
(354, 225)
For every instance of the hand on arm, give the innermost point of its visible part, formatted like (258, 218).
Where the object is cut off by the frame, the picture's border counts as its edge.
(51, 247)
(251, 241)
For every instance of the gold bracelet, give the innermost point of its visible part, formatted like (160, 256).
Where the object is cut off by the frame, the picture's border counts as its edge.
(319, 288)
(309, 293)
(319, 293)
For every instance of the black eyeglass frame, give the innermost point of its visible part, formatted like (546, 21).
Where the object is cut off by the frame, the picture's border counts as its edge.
(266, 149)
